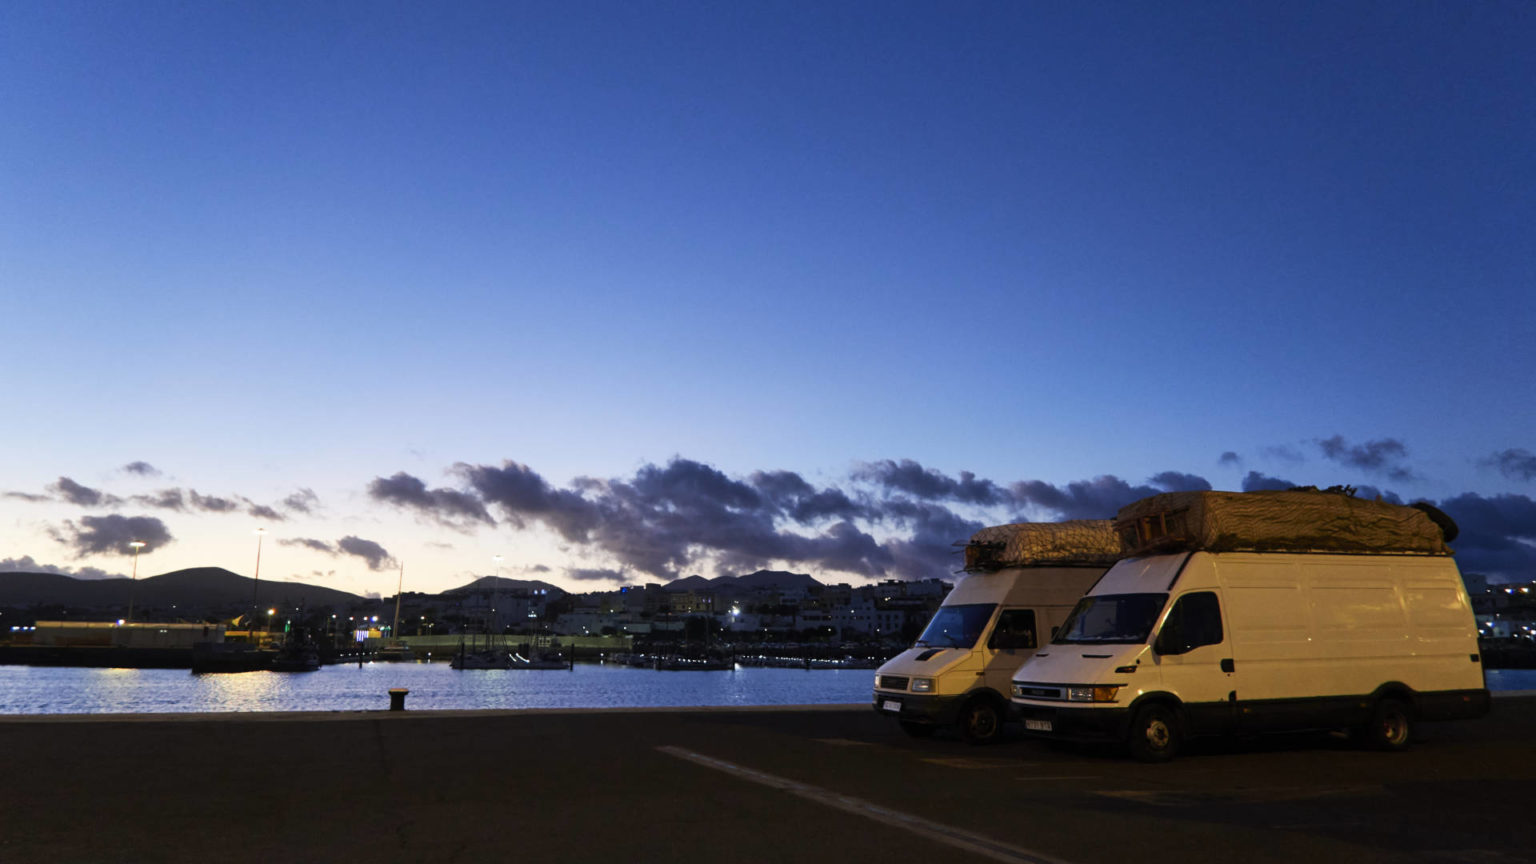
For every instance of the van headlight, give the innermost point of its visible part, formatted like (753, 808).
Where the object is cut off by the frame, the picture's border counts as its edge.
(922, 685)
(1093, 693)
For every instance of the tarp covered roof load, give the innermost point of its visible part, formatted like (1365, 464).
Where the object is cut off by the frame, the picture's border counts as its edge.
(1289, 521)
(1080, 542)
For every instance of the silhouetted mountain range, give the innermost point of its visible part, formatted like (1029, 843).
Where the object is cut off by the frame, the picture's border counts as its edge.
(204, 590)
(490, 584)
(778, 580)
(198, 588)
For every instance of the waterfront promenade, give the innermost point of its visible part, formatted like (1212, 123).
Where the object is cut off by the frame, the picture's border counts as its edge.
(828, 784)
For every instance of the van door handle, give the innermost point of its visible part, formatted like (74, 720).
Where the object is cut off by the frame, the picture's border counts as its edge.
(1228, 666)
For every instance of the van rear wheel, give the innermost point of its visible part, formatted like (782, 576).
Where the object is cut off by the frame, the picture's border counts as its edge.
(1390, 727)
(1154, 733)
(980, 722)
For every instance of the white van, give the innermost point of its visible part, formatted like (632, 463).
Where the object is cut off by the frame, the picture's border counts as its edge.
(1168, 646)
(958, 671)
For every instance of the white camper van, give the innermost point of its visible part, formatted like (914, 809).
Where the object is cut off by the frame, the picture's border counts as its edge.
(1198, 641)
(1021, 583)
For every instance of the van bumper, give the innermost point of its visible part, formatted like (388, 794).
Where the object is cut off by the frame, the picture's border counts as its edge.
(914, 708)
(1074, 724)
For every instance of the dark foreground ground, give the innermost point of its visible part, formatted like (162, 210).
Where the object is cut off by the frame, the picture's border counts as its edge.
(820, 785)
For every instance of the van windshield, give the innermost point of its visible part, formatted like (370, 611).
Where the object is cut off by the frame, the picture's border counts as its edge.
(1123, 618)
(956, 626)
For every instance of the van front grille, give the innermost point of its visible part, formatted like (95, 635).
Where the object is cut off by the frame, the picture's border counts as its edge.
(1033, 690)
(893, 682)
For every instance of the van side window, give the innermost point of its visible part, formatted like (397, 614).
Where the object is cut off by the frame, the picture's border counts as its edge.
(1194, 621)
(1015, 629)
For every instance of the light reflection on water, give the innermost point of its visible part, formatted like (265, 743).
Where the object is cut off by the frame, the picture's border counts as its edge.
(45, 690)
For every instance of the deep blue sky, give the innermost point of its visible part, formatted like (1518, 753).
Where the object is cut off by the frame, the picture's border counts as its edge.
(267, 247)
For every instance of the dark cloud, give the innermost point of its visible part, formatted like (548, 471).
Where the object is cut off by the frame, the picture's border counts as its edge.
(521, 495)
(448, 507)
(309, 543)
(596, 575)
(929, 484)
(1384, 456)
(104, 535)
(28, 496)
(1515, 463)
(677, 516)
(1099, 498)
(1230, 459)
(143, 469)
(302, 501)
(212, 503)
(1175, 481)
(802, 502)
(25, 564)
(930, 549)
(262, 511)
(1256, 482)
(1496, 536)
(83, 496)
(369, 551)
(165, 499)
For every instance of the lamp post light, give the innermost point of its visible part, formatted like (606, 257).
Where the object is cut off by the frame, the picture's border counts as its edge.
(133, 583)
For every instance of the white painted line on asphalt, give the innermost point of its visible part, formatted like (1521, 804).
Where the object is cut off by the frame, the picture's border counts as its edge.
(946, 834)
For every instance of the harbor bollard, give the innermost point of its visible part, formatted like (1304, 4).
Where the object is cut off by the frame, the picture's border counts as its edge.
(397, 698)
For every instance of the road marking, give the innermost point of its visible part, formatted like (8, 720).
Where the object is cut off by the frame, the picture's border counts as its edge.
(946, 834)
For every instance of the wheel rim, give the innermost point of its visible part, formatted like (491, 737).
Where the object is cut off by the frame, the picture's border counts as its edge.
(982, 723)
(1394, 727)
(1158, 733)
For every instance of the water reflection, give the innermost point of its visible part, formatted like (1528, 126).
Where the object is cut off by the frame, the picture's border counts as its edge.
(37, 690)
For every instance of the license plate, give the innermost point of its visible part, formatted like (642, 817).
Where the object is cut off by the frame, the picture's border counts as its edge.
(891, 705)
(1037, 725)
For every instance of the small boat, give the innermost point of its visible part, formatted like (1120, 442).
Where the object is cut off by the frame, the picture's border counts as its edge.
(493, 658)
(230, 657)
(538, 661)
(297, 655)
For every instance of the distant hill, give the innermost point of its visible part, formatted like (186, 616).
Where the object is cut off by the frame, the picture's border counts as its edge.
(196, 591)
(492, 584)
(774, 580)
(689, 583)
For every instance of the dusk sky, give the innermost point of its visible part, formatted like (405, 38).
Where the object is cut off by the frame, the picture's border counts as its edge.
(629, 291)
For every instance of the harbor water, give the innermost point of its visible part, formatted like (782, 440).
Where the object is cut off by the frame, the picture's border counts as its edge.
(434, 686)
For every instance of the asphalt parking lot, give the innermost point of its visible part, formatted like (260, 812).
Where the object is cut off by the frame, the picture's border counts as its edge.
(824, 784)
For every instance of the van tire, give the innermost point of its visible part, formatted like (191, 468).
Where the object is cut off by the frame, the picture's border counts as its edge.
(1154, 733)
(1390, 727)
(917, 730)
(980, 721)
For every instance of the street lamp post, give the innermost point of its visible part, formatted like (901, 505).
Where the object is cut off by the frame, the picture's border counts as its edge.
(496, 594)
(133, 583)
(256, 580)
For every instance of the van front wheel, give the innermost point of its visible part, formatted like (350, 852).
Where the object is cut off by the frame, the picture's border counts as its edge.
(1154, 733)
(1391, 726)
(980, 722)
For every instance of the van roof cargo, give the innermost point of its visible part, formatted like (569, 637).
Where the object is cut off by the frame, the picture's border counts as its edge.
(1272, 521)
(1077, 543)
